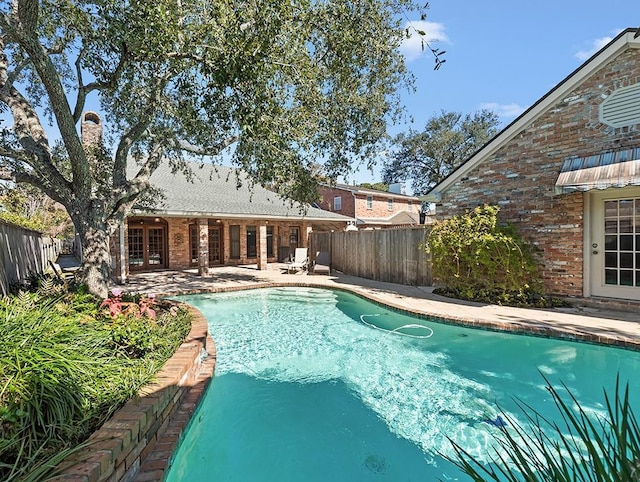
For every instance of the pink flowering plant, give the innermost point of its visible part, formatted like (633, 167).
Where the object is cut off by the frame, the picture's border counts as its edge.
(133, 324)
(145, 306)
(113, 302)
(142, 307)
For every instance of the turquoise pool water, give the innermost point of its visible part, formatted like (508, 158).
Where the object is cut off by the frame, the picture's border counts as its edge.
(316, 385)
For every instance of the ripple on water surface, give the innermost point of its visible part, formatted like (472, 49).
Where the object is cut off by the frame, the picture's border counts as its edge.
(304, 379)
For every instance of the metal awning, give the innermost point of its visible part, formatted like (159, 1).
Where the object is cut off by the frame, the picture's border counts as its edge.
(600, 171)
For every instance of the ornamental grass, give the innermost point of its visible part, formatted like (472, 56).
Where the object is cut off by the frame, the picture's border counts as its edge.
(66, 366)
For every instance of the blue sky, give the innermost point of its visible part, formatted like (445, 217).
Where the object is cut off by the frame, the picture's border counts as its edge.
(503, 55)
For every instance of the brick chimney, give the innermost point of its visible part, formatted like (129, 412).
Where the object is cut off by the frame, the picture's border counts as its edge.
(91, 128)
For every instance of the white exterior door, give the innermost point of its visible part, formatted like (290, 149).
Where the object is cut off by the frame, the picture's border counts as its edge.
(613, 249)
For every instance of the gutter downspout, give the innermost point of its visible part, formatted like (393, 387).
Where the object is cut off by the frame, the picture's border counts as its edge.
(355, 208)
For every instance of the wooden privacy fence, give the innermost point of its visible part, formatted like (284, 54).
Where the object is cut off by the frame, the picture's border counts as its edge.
(22, 253)
(391, 255)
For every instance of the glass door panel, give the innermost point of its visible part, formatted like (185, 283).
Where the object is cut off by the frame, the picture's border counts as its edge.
(215, 246)
(156, 247)
(622, 242)
(193, 244)
(136, 247)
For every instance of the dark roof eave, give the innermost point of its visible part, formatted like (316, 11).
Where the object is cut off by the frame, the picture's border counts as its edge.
(203, 214)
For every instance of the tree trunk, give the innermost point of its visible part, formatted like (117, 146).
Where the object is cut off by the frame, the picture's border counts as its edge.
(96, 256)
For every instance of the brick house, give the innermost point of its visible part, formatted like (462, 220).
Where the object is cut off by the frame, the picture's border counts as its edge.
(567, 173)
(209, 222)
(370, 207)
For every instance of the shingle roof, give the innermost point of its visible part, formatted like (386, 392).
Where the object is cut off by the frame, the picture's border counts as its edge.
(213, 191)
(374, 192)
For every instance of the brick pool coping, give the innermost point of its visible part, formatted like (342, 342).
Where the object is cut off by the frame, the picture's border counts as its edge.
(512, 326)
(137, 443)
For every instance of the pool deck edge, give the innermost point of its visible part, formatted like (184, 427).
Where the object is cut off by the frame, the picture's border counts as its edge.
(149, 458)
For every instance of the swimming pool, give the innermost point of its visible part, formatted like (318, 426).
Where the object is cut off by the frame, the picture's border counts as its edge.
(316, 385)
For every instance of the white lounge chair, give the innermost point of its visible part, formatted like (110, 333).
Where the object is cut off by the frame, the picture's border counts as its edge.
(299, 262)
(321, 265)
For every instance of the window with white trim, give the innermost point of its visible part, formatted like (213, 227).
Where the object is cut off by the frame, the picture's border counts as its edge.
(369, 202)
(390, 204)
(337, 203)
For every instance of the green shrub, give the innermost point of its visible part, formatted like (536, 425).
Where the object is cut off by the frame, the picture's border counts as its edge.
(132, 336)
(61, 377)
(475, 258)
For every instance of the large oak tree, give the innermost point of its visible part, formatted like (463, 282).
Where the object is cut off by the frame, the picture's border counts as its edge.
(448, 139)
(286, 84)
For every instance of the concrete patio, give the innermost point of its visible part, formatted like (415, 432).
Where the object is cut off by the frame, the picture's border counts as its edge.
(597, 325)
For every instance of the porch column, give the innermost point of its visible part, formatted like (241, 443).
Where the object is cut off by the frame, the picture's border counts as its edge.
(262, 246)
(306, 231)
(203, 247)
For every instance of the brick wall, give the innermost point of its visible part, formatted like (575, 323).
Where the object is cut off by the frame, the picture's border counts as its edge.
(520, 177)
(357, 206)
(326, 200)
(380, 207)
(178, 241)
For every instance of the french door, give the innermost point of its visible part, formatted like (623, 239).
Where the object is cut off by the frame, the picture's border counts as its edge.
(615, 243)
(215, 245)
(147, 245)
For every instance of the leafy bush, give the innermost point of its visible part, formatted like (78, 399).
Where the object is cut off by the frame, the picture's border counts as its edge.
(131, 336)
(475, 258)
(62, 374)
(583, 448)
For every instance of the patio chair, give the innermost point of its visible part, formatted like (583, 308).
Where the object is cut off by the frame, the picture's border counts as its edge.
(299, 262)
(321, 265)
(63, 274)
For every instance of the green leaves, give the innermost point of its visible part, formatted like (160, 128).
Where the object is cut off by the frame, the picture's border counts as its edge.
(426, 157)
(302, 81)
(582, 448)
(60, 377)
(478, 259)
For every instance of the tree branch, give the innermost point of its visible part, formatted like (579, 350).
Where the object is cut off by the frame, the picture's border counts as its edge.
(135, 133)
(126, 195)
(110, 83)
(12, 76)
(31, 135)
(20, 29)
(206, 151)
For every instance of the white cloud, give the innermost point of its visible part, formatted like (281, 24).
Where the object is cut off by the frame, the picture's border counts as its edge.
(411, 47)
(505, 111)
(595, 45)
